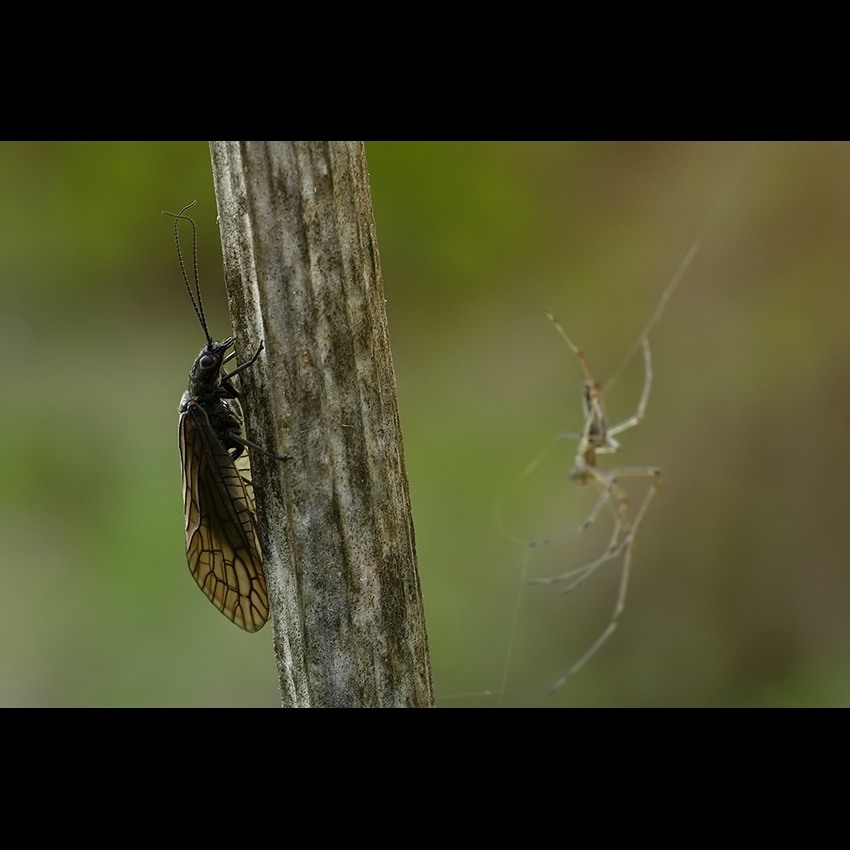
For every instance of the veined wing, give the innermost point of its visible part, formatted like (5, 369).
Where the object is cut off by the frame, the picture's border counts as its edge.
(222, 547)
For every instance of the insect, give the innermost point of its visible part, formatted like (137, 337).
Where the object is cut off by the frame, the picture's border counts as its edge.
(598, 438)
(222, 547)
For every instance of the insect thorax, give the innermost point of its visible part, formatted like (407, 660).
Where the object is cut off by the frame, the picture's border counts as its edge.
(212, 395)
(205, 376)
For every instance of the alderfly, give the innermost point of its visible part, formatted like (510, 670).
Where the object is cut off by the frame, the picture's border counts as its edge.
(222, 546)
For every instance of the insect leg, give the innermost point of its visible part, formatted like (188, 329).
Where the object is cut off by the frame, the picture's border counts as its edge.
(245, 365)
(238, 438)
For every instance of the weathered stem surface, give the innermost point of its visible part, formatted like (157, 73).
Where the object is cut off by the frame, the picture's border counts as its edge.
(302, 273)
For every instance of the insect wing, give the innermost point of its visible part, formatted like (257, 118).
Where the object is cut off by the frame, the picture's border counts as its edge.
(222, 547)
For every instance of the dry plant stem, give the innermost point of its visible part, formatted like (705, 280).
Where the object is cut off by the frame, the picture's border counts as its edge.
(303, 275)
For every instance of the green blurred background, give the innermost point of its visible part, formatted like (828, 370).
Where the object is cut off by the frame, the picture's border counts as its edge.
(740, 589)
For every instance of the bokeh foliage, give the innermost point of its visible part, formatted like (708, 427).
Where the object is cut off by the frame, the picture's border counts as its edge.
(740, 592)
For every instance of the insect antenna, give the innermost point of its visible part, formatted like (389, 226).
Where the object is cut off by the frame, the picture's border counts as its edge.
(196, 299)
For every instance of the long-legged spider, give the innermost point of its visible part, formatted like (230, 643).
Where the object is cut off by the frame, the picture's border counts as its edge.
(598, 438)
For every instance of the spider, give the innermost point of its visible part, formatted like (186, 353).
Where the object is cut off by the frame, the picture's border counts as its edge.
(598, 438)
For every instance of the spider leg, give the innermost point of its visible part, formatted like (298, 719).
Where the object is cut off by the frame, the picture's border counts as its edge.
(644, 396)
(500, 505)
(611, 447)
(584, 572)
(597, 438)
(614, 497)
(582, 470)
(573, 347)
(626, 547)
(582, 526)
